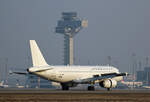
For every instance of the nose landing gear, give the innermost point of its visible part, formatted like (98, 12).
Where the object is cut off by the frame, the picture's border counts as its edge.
(91, 88)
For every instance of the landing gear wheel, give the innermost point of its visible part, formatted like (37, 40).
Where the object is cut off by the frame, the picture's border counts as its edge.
(64, 87)
(108, 89)
(91, 88)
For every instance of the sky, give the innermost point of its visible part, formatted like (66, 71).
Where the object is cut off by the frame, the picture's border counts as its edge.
(116, 28)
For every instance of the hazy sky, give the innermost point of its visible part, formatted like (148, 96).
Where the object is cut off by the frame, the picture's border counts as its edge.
(116, 28)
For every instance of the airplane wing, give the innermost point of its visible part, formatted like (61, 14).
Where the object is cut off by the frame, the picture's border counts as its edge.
(97, 77)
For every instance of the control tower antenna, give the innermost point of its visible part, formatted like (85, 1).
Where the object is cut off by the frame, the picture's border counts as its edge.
(69, 25)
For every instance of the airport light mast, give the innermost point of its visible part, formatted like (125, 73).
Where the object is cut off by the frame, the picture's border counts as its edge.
(69, 25)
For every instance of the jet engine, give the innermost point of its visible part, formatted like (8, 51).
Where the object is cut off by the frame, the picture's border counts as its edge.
(108, 83)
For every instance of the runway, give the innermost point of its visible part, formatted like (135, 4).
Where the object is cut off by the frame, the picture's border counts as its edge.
(47, 95)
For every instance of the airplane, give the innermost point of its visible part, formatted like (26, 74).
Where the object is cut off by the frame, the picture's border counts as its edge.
(72, 75)
(2, 85)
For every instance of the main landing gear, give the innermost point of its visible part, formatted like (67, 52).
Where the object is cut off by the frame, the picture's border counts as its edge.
(108, 89)
(91, 88)
(64, 86)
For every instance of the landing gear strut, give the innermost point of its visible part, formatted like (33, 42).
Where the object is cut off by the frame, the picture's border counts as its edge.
(91, 88)
(64, 86)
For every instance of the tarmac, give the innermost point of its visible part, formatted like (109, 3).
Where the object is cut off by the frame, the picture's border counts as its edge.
(49, 95)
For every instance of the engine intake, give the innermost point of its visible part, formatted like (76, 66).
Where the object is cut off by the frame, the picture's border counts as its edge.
(108, 83)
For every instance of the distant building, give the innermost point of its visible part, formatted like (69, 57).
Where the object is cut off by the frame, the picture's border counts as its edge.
(144, 76)
(131, 83)
(140, 76)
(147, 75)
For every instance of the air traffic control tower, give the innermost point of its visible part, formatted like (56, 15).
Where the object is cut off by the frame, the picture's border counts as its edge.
(69, 26)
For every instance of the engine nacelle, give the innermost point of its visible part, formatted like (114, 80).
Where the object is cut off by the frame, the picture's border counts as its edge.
(108, 83)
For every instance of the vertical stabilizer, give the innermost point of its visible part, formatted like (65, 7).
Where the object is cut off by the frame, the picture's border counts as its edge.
(37, 57)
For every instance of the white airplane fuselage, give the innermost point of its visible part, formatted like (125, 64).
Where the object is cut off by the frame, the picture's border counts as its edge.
(64, 74)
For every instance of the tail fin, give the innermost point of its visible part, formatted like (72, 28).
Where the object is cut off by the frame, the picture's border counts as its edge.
(37, 57)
